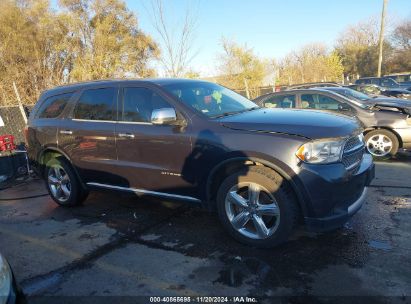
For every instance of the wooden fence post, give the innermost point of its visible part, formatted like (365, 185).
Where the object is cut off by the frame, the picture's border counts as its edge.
(246, 88)
(23, 112)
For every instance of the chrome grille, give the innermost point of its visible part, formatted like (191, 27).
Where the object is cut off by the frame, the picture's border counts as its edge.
(353, 143)
(353, 153)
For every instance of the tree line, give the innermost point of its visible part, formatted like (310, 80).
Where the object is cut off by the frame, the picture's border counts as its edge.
(355, 54)
(83, 40)
(41, 47)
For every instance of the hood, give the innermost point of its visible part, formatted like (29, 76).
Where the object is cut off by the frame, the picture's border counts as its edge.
(306, 123)
(398, 103)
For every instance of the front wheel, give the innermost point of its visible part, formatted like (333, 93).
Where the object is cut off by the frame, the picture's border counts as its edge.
(257, 207)
(381, 143)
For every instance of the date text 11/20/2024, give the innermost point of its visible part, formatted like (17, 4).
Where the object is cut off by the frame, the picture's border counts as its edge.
(203, 300)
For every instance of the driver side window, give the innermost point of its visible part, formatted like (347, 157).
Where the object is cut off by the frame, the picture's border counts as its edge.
(139, 103)
(319, 102)
(387, 82)
(284, 101)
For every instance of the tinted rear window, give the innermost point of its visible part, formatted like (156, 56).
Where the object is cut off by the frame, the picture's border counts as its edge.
(53, 106)
(96, 104)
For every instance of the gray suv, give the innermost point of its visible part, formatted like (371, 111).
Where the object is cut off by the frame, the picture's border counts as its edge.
(264, 171)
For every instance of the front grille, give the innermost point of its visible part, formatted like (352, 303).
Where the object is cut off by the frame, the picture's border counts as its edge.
(353, 153)
(353, 143)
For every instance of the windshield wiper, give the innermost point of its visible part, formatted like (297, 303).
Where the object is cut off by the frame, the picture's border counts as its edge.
(234, 112)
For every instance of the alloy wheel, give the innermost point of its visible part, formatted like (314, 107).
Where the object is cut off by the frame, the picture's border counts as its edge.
(252, 210)
(59, 183)
(379, 145)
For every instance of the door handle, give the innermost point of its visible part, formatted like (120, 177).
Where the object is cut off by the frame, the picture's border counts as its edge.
(126, 135)
(68, 132)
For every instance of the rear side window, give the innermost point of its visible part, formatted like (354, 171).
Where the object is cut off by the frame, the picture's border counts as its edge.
(363, 81)
(53, 106)
(96, 104)
(375, 81)
(284, 101)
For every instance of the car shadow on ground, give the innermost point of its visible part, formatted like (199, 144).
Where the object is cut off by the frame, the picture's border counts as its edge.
(403, 156)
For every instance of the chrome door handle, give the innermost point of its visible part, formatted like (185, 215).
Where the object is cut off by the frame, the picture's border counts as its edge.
(126, 135)
(68, 132)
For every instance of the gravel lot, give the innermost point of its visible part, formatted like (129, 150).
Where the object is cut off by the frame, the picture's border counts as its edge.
(121, 245)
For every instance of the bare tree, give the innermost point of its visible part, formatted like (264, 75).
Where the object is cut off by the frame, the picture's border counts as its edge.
(176, 40)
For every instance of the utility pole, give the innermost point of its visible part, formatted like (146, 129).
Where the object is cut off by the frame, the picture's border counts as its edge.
(381, 42)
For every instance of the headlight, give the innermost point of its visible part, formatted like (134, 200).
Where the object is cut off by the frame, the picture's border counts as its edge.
(321, 151)
(5, 280)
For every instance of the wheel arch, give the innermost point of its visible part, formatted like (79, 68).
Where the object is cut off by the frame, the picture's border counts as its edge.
(230, 165)
(369, 129)
(53, 152)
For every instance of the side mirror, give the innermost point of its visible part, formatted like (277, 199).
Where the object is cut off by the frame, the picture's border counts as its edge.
(344, 107)
(163, 116)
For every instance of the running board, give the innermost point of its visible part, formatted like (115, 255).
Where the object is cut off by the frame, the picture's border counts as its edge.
(147, 192)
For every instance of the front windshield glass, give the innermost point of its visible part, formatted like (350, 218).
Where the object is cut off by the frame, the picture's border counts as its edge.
(354, 96)
(210, 99)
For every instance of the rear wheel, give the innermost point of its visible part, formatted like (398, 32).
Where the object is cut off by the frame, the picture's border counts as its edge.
(257, 207)
(381, 143)
(63, 184)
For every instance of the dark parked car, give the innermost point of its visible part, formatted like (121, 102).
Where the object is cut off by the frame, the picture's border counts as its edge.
(376, 91)
(10, 293)
(387, 123)
(401, 78)
(384, 82)
(263, 170)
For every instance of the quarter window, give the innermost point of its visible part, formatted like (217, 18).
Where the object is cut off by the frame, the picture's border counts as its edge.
(285, 101)
(139, 103)
(96, 104)
(54, 106)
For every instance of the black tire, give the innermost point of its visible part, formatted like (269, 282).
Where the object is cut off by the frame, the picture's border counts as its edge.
(77, 193)
(278, 188)
(373, 134)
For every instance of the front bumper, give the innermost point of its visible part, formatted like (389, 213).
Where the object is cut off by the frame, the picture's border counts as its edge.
(334, 194)
(338, 219)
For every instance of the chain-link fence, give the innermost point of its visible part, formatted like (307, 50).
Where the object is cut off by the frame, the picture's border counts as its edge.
(12, 122)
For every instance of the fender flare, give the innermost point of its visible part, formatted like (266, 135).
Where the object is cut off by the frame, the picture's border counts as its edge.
(59, 151)
(271, 165)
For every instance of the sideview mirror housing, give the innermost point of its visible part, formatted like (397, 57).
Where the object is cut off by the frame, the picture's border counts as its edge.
(163, 116)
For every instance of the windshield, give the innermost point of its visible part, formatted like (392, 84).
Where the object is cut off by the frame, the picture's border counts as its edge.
(209, 98)
(351, 93)
(353, 96)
